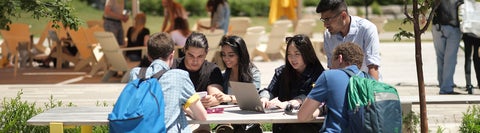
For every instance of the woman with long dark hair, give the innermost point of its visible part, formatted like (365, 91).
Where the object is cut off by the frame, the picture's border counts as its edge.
(293, 81)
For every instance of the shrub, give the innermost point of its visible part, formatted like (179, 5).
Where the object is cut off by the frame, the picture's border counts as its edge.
(15, 113)
(410, 122)
(471, 120)
(376, 9)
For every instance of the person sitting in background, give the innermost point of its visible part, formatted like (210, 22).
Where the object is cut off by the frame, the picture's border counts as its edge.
(137, 35)
(219, 15)
(179, 92)
(330, 89)
(293, 81)
(180, 33)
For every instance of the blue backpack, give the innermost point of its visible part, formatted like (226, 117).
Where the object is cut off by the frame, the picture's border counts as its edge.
(373, 107)
(140, 107)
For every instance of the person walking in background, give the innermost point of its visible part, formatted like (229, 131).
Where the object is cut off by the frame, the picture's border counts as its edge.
(178, 90)
(219, 15)
(172, 10)
(180, 33)
(446, 39)
(331, 88)
(137, 36)
(471, 40)
(293, 81)
(341, 28)
(112, 19)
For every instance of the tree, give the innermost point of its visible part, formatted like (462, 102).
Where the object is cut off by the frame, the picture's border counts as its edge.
(57, 10)
(417, 16)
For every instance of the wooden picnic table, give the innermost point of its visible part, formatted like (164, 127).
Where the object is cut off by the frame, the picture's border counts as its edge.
(86, 117)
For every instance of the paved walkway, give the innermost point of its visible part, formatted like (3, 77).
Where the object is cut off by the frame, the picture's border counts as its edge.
(397, 68)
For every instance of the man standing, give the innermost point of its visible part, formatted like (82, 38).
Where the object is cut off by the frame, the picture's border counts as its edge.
(112, 19)
(446, 39)
(341, 28)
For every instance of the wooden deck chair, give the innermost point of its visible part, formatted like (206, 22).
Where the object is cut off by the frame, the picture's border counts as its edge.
(276, 40)
(99, 63)
(58, 41)
(238, 26)
(213, 39)
(18, 33)
(92, 23)
(252, 38)
(305, 26)
(113, 54)
(85, 48)
(201, 21)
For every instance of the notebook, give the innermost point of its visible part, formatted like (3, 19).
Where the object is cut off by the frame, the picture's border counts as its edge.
(248, 98)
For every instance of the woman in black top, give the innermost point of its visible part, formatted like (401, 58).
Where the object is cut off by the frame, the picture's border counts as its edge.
(137, 35)
(293, 81)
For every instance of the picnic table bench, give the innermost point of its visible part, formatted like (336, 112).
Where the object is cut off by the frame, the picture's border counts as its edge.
(87, 117)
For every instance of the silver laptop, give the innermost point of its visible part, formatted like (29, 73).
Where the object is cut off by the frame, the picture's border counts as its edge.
(248, 98)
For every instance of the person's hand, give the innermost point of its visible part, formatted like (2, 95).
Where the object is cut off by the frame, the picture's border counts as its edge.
(209, 101)
(223, 97)
(264, 102)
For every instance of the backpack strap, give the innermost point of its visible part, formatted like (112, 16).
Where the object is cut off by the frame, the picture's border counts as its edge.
(143, 71)
(159, 74)
(350, 73)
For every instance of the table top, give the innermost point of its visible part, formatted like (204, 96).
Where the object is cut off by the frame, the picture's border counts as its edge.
(98, 116)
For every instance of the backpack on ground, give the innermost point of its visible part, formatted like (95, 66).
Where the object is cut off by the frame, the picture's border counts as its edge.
(373, 107)
(140, 107)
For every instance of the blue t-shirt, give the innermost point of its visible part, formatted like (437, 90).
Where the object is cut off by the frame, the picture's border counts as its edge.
(178, 93)
(330, 88)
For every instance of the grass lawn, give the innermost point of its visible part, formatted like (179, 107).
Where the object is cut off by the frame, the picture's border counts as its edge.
(154, 23)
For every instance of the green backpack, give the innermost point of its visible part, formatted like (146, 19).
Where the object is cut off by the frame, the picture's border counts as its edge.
(373, 107)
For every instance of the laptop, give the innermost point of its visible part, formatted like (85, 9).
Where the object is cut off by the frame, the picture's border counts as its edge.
(248, 98)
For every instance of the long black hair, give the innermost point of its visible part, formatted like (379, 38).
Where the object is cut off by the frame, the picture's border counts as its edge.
(304, 45)
(244, 64)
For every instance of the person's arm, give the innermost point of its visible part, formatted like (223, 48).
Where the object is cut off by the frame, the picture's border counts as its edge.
(210, 100)
(165, 20)
(373, 71)
(309, 110)
(371, 50)
(196, 111)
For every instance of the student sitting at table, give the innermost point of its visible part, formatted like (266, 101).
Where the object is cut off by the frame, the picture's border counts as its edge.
(206, 76)
(293, 81)
(179, 92)
(238, 68)
(331, 87)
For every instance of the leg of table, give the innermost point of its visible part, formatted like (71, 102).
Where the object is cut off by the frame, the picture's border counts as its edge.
(86, 129)
(56, 127)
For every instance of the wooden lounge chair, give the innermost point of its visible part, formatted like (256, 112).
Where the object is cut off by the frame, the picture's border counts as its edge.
(213, 39)
(276, 40)
(252, 38)
(18, 33)
(113, 54)
(305, 26)
(84, 46)
(238, 26)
